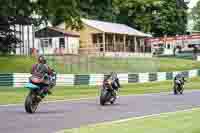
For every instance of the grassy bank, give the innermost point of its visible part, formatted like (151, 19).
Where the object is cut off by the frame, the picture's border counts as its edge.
(17, 95)
(11, 64)
(16, 64)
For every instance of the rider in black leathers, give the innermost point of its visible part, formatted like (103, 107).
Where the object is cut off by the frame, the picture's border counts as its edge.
(179, 78)
(115, 82)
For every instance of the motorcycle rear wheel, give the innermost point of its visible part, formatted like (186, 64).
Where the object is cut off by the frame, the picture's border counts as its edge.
(104, 97)
(31, 103)
(175, 90)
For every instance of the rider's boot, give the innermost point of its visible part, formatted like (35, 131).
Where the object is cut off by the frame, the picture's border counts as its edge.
(49, 92)
(116, 93)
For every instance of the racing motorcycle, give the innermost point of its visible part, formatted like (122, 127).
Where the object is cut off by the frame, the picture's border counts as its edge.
(178, 86)
(37, 91)
(108, 92)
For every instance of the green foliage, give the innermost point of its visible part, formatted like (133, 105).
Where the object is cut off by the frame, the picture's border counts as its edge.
(170, 20)
(15, 7)
(195, 15)
(8, 40)
(60, 10)
(97, 9)
(10, 12)
(154, 16)
(16, 11)
(159, 17)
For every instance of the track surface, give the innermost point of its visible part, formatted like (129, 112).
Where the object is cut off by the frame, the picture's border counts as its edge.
(53, 117)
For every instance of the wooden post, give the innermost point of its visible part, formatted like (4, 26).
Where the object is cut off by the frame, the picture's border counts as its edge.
(124, 43)
(129, 44)
(23, 39)
(15, 35)
(135, 42)
(20, 39)
(140, 45)
(114, 42)
(98, 42)
(28, 49)
(143, 46)
(104, 43)
(33, 34)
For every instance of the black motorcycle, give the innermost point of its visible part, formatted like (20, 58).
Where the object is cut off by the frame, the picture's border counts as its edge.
(108, 90)
(178, 86)
(37, 92)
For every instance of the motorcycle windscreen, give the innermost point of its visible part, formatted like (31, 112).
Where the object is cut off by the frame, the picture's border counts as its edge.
(31, 86)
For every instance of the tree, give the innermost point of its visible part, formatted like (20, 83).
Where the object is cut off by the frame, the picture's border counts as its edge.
(97, 9)
(170, 20)
(58, 11)
(14, 12)
(91, 9)
(137, 14)
(195, 16)
(160, 17)
(8, 40)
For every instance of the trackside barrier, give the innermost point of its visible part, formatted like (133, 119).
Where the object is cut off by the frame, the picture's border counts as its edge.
(19, 79)
(6, 79)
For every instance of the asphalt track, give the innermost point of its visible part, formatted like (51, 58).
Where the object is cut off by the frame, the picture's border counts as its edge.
(52, 117)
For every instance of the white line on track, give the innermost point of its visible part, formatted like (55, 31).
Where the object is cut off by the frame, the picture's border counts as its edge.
(137, 118)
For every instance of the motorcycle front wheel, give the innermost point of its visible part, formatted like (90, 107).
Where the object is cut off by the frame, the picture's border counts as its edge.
(181, 89)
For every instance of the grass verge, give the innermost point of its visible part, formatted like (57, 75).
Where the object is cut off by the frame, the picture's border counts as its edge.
(177, 122)
(22, 64)
(10, 95)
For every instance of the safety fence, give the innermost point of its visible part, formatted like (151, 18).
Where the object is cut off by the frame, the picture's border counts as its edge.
(20, 79)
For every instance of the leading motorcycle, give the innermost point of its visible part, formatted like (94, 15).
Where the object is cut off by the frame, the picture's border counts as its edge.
(108, 90)
(178, 86)
(37, 90)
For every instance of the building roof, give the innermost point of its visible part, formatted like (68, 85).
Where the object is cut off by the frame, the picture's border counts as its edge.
(67, 33)
(54, 32)
(109, 27)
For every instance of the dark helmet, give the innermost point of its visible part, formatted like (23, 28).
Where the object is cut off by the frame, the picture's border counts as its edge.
(41, 59)
(113, 75)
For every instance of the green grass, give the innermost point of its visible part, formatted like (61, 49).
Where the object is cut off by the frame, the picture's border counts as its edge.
(80, 65)
(176, 64)
(134, 65)
(17, 95)
(16, 64)
(101, 65)
(180, 122)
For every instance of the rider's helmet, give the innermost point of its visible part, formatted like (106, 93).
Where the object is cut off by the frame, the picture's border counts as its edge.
(113, 75)
(41, 59)
(179, 76)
